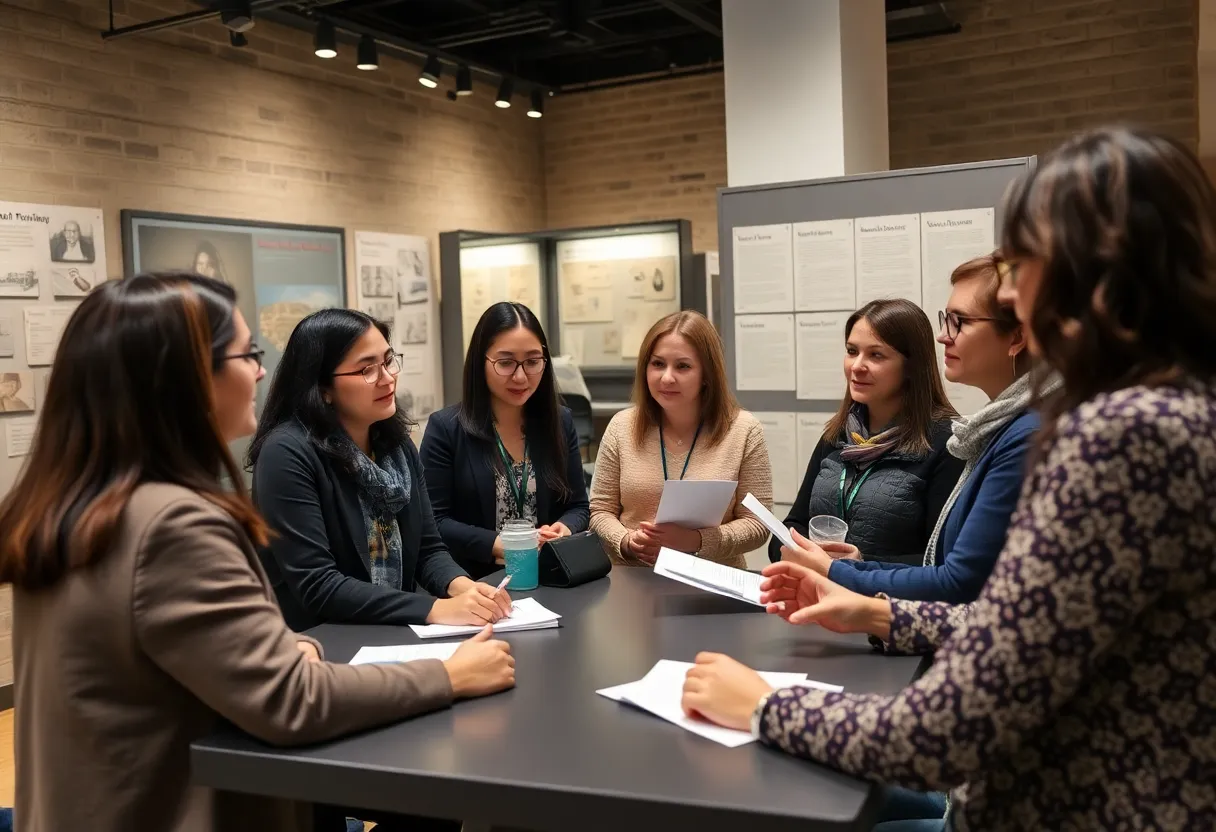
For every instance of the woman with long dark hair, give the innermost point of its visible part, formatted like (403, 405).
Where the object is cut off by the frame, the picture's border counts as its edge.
(882, 464)
(1077, 691)
(338, 479)
(143, 616)
(508, 450)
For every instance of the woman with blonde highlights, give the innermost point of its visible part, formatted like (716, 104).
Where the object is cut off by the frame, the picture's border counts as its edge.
(684, 424)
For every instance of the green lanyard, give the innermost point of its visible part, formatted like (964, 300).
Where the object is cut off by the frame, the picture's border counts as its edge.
(519, 490)
(687, 459)
(847, 505)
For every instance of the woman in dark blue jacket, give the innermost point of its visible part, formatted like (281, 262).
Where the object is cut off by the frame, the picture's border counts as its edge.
(985, 348)
(508, 451)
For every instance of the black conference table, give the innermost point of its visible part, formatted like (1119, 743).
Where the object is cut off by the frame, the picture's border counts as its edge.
(552, 755)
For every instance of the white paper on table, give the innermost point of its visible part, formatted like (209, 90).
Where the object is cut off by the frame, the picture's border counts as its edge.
(764, 269)
(659, 692)
(764, 352)
(709, 576)
(398, 653)
(824, 268)
(695, 504)
(769, 520)
(781, 439)
(888, 257)
(820, 354)
(526, 614)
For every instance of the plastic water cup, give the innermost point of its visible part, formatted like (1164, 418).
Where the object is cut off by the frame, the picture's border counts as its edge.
(521, 554)
(825, 528)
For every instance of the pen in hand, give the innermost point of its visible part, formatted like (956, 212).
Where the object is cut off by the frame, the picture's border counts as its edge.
(501, 586)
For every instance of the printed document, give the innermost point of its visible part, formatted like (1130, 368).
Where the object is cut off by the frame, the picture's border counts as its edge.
(397, 653)
(526, 614)
(709, 576)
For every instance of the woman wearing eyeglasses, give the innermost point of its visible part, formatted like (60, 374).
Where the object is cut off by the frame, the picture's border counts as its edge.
(508, 450)
(338, 479)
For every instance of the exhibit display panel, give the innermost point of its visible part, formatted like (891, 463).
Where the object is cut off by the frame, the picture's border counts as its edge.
(490, 274)
(799, 258)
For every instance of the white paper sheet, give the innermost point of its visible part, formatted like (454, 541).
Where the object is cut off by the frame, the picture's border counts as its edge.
(19, 435)
(526, 614)
(947, 240)
(781, 439)
(709, 576)
(764, 352)
(764, 269)
(397, 653)
(888, 257)
(820, 351)
(660, 691)
(770, 521)
(43, 328)
(695, 504)
(824, 266)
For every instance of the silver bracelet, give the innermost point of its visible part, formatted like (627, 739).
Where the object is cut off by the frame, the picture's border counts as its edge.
(758, 714)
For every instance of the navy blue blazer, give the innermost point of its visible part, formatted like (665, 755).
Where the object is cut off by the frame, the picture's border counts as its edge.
(460, 477)
(972, 536)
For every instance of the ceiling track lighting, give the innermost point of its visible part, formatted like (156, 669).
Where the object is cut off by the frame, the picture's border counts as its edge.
(431, 70)
(325, 41)
(237, 17)
(503, 99)
(368, 58)
(464, 80)
(537, 108)
(238, 39)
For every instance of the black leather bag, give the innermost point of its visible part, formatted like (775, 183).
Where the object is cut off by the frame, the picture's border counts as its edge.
(573, 560)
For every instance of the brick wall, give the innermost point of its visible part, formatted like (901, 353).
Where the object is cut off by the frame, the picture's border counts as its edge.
(182, 122)
(1019, 78)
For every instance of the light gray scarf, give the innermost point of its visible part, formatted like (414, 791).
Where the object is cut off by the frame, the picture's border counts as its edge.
(973, 435)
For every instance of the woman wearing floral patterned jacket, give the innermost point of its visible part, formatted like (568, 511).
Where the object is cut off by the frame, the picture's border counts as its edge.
(1079, 691)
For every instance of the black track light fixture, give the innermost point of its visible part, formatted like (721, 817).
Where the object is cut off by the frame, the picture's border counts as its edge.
(238, 39)
(431, 70)
(537, 108)
(505, 89)
(464, 80)
(237, 16)
(325, 41)
(368, 57)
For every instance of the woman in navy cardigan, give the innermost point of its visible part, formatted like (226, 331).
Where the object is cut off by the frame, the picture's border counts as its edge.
(508, 451)
(985, 348)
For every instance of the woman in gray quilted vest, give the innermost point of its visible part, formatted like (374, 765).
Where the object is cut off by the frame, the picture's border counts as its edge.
(882, 464)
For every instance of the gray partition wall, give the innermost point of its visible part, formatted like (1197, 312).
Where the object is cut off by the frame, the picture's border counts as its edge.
(917, 190)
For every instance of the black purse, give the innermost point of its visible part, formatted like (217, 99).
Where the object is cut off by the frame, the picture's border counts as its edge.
(573, 560)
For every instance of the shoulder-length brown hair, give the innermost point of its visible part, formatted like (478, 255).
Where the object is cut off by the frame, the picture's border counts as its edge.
(904, 327)
(129, 402)
(1124, 223)
(718, 404)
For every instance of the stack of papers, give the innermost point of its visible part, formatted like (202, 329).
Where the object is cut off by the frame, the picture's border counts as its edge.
(659, 692)
(397, 653)
(526, 614)
(709, 576)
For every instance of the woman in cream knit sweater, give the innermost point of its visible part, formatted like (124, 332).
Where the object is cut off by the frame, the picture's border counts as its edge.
(685, 424)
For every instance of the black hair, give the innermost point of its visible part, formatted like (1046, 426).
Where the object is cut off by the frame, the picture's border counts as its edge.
(316, 347)
(542, 412)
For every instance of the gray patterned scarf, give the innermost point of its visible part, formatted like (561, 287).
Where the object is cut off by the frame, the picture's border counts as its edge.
(973, 434)
(384, 490)
(861, 448)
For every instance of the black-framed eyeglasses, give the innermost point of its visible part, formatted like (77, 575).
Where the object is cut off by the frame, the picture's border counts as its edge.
(254, 354)
(953, 323)
(508, 366)
(371, 373)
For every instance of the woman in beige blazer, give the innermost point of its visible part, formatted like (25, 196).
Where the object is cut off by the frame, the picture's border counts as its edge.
(142, 614)
(684, 424)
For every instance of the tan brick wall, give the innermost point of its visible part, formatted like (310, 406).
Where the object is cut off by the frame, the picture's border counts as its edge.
(181, 122)
(1020, 77)
(632, 154)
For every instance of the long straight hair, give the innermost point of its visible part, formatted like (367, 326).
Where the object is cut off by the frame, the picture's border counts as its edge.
(904, 327)
(129, 402)
(317, 345)
(542, 412)
(718, 404)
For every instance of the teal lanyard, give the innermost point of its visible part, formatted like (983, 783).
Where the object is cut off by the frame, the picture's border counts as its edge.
(847, 505)
(519, 490)
(687, 459)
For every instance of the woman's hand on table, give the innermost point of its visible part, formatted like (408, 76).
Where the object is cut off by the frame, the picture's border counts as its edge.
(552, 531)
(481, 666)
(723, 691)
(471, 602)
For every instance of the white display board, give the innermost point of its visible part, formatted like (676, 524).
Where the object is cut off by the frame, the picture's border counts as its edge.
(394, 283)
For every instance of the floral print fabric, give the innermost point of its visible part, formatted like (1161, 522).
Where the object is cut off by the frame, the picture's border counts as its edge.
(1079, 691)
